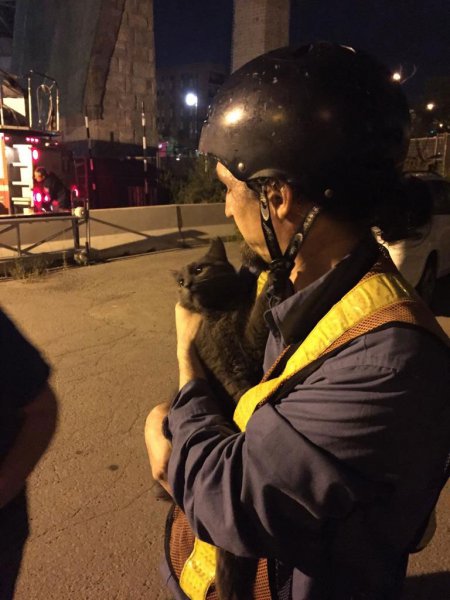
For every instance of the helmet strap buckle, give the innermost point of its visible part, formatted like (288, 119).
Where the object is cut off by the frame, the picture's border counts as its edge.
(298, 239)
(283, 263)
(264, 206)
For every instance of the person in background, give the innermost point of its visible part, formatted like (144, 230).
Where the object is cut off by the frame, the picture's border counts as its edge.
(331, 466)
(28, 415)
(52, 186)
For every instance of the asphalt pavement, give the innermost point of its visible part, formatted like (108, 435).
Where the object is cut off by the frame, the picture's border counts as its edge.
(97, 529)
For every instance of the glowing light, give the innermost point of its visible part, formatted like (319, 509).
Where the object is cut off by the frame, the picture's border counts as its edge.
(38, 197)
(75, 191)
(191, 99)
(396, 76)
(35, 154)
(234, 116)
(431, 105)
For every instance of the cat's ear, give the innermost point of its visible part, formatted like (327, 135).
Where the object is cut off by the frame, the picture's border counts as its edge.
(216, 251)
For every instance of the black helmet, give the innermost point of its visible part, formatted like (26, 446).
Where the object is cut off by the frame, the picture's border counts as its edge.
(323, 117)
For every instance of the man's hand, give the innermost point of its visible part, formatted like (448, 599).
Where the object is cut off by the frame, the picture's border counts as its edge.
(158, 446)
(188, 324)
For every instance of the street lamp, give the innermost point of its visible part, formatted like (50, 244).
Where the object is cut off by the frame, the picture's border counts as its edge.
(191, 99)
(431, 106)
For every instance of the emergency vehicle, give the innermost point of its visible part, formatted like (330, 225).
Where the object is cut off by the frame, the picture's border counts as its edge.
(29, 128)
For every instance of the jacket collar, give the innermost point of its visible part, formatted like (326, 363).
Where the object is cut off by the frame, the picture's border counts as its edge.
(294, 318)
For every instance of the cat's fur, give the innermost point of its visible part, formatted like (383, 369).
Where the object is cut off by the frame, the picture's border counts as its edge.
(233, 333)
(230, 344)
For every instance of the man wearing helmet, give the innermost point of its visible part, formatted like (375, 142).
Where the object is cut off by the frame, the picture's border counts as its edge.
(332, 465)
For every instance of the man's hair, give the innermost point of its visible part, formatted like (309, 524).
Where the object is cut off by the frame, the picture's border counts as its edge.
(42, 171)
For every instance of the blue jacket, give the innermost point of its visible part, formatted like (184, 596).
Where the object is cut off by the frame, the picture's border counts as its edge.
(334, 481)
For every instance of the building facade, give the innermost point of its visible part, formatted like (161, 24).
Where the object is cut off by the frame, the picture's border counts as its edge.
(183, 96)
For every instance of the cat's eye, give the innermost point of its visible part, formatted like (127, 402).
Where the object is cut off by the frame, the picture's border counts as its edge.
(198, 269)
(181, 282)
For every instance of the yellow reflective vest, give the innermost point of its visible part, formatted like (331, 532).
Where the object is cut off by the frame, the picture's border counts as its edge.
(382, 296)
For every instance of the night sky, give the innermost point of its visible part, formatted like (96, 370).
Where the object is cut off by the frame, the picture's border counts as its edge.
(404, 34)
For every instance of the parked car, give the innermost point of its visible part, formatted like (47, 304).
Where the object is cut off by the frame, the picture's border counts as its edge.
(425, 258)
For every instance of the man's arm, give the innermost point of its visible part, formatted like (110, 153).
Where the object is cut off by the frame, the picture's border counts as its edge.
(158, 446)
(188, 325)
(36, 431)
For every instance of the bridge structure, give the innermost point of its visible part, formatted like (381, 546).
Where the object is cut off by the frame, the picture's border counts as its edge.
(102, 54)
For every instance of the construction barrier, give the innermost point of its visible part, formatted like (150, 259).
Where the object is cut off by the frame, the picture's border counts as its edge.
(113, 232)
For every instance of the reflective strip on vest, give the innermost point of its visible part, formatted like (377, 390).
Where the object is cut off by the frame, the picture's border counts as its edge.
(199, 571)
(368, 297)
(261, 282)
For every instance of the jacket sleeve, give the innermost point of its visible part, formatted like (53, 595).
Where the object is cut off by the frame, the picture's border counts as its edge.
(257, 493)
(368, 430)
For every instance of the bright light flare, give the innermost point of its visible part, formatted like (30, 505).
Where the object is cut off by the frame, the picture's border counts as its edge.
(191, 99)
(233, 116)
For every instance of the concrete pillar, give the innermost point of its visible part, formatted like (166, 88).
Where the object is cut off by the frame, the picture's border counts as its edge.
(121, 76)
(102, 54)
(258, 26)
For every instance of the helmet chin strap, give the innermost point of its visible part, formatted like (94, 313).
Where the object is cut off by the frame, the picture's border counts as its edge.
(281, 264)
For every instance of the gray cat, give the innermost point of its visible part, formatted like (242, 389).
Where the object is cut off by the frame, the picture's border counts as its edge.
(233, 334)
(230, 344)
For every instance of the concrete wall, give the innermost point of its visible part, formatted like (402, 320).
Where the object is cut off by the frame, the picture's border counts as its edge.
(258, 26)
(120, 231)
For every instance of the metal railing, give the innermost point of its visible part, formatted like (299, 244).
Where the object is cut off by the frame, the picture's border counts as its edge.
(39, 94)
(8, 224)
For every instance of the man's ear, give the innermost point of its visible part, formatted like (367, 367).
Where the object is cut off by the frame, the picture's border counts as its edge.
(281, 197)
